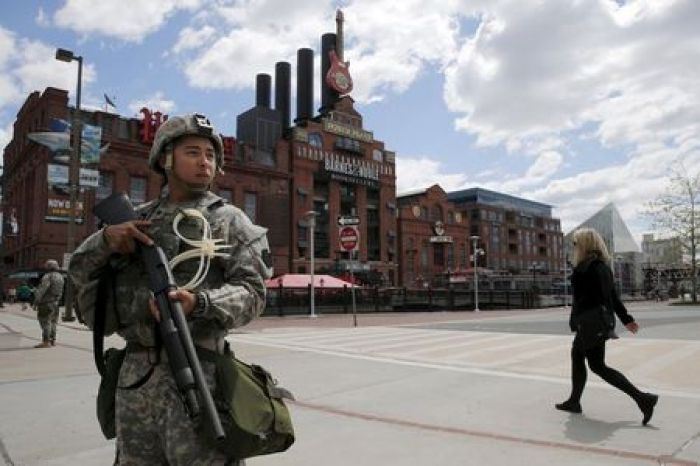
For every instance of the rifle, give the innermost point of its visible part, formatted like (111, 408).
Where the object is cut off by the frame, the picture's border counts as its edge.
(173, 329)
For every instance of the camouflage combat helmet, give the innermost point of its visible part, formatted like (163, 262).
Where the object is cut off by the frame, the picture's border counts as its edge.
(178, 126)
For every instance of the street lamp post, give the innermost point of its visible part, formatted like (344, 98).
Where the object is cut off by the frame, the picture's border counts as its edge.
(73, 173)
(311, 216)
(566, 263)
(475, 254)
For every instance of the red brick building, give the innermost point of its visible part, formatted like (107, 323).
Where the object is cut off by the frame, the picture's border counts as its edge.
(42, 211)
(329, 164)
(518, 235)
(341, 170)
(520, 241)
(433, 238)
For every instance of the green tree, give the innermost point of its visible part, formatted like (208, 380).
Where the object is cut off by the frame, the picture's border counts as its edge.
(675, 212)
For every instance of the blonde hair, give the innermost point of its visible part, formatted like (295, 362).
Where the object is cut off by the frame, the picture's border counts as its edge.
(587, 243)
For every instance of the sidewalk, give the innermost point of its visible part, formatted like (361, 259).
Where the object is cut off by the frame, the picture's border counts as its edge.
(364, 398)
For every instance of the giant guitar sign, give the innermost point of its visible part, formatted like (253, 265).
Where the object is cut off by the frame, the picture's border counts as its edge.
(338, 76)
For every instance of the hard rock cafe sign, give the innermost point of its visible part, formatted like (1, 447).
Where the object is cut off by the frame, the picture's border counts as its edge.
(152, 120)
(149, 124)
(439, 229)
(338, 76)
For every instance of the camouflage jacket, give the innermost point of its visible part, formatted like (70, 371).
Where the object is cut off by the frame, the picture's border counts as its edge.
(50, 289)
(234, 285)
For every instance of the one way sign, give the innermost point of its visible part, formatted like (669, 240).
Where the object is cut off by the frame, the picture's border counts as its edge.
(348, 220)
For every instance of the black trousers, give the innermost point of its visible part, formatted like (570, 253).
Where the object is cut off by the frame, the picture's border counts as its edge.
(596, 361)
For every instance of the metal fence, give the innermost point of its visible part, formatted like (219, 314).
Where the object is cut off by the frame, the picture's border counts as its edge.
(281, 301)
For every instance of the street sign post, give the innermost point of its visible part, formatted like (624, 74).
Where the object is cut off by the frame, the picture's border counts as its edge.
(349, 239)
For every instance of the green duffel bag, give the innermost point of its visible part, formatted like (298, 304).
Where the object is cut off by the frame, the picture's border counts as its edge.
(250, 404)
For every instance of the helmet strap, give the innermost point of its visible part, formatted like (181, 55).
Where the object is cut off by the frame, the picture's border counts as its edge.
(169, 150)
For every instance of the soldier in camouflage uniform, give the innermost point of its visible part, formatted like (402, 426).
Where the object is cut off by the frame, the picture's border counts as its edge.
(46, 301)
(151, 422)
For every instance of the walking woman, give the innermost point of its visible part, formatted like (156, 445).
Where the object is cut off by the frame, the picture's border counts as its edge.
(594, 301)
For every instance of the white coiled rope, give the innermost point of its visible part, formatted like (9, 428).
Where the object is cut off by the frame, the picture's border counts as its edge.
(205, 249)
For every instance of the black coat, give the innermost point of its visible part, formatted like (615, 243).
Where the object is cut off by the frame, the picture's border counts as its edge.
(593, 285)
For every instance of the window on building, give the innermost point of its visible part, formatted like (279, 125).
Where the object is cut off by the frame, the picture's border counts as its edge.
(138, 190)
(123, 129)
(250, 205)
(436, 214)
(373, 235)
(321, 238)
(372, 197)
(226, 194)
(105, 186)
(450, 217)
(315, 139)
(495, 239)
(302, 240)
(424, 256)
(439, 254)
(348, 198)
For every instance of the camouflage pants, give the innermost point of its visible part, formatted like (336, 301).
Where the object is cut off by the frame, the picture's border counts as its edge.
(47, 314)
(152, 425)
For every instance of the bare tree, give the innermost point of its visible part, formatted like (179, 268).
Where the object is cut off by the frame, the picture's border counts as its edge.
(676, 212)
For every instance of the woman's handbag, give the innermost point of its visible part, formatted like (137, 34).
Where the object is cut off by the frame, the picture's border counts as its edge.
(251, 407)
(593, 327)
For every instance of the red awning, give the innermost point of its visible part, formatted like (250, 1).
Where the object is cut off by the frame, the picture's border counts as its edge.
(299, 280)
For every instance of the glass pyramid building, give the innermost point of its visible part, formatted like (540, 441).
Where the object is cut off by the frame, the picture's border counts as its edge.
(608, 222)
(626, 256)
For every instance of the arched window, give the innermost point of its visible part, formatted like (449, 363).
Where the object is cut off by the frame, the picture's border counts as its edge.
(436, 213)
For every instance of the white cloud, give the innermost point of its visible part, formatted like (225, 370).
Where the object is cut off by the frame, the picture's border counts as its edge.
(191, 38)
(629, 185)
(155, 102)
(388, 43)
(29, 65)
(546, 69)
(5, 136)
(8, 87)
(546, 165)
(422, 172)
(41, 18)
(258, 33)
(128, 20)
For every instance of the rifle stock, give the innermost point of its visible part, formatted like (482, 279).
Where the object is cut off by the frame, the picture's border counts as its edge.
(173, 329)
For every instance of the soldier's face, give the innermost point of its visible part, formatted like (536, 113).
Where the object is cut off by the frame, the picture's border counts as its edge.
(194, 161)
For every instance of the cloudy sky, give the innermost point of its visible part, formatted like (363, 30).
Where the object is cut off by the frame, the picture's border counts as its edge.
(574, 103)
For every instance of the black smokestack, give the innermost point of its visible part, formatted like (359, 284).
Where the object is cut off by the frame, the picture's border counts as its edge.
(305, 84)
(263, 82)
(283, 89)
(328, 95)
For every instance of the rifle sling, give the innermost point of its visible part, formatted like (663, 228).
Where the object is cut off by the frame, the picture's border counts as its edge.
(98, 332)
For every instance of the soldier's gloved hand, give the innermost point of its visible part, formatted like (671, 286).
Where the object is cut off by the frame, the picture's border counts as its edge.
(187, 300)
(120, 238)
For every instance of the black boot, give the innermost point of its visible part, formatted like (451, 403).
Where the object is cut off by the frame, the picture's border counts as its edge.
(569, 406)
(646, 404)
